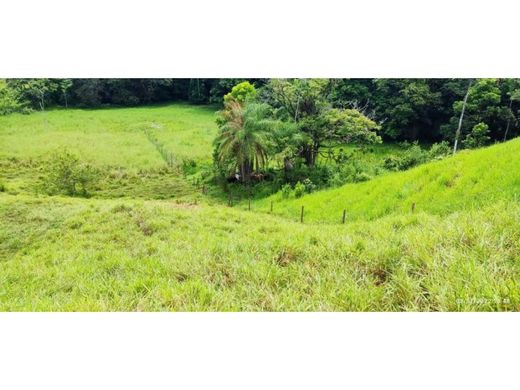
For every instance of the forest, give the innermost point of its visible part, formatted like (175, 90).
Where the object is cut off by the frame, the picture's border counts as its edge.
(406, 109)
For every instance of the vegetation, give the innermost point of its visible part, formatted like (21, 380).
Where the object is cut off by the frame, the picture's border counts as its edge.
(89, 255)
(286, 195)
(462, 182)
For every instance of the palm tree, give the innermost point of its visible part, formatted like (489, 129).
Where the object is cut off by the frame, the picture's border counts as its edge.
(244, 136)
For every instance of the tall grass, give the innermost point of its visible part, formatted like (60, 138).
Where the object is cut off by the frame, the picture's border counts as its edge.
(110, 136)
(459, 250)
(471, 179)
(72, 254)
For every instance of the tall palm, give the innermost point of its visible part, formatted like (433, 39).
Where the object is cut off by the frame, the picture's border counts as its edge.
(244, 136)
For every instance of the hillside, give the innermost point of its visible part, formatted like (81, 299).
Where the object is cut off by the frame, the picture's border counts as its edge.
(470, 179)
(148, 239)
(80, 254)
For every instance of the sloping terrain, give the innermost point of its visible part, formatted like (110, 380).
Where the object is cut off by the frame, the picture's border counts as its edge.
(162, 245)
(471, 179)
(90, 254)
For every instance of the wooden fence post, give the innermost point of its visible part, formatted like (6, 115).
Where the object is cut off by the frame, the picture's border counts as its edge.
(413, 207)
(301, 215)
(249, 204)
(344, 216)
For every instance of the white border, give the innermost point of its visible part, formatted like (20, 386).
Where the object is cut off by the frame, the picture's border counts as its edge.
(259, 351)
(271, 38)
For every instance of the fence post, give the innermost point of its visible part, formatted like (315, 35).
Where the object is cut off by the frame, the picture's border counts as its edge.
(413, 207)
(271, 206)
(344, 216)
(301, 215)
(249, 204)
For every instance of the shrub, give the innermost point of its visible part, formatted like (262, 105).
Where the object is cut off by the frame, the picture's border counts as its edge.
(299, 190)
(412, 156)
(286, 191)
(362, 176)
(189, 166)
(392, 162)
(439, 150)
(2, 187)
(309, 186)
(336, 180)
(65, 174)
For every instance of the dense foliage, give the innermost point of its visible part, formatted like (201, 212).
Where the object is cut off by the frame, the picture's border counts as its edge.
(406, 109)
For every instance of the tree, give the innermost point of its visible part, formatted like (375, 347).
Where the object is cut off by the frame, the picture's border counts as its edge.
(406, 107)
(307, 103)
(220, 88)
(457, 134)
(9, 102)
(41, 88)
(35, 92)
(484, 103)
(88, 92)
(244, 137)
(478, 136)
(241, 93)
(512, 87)
(64, 86)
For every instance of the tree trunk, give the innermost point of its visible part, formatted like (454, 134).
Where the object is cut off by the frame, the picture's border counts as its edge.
(66, 103)
(42, 102)
(246, 170)
(307, 154)
(457, 134)
(508, 120)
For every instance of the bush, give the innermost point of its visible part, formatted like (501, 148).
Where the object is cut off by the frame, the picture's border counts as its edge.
(2, 187)
(65, 174)
(412, 156)
(286, 191)
(189, 166)
(299, 190)
(309, 186)
(439, 150)
(362, 176)
(392, 162)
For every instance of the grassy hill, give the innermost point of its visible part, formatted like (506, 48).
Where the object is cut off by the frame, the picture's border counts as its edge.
(149, 240)
(91, 254)
(470, 179)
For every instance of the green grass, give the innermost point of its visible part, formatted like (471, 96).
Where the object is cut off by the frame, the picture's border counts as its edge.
(114, 140)
(113, 137)
(471, 179)
(149, 240)
(76, 254)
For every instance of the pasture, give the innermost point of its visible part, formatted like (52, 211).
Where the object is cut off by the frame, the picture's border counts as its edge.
(149, 240)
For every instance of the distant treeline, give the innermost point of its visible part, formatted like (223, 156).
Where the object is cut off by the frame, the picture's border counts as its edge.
(406, 109)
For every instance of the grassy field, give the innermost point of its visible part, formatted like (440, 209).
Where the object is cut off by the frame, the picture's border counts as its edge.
(149, 240)
(469, 180)
(114, 137)
(115, 140)
(73, 254)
